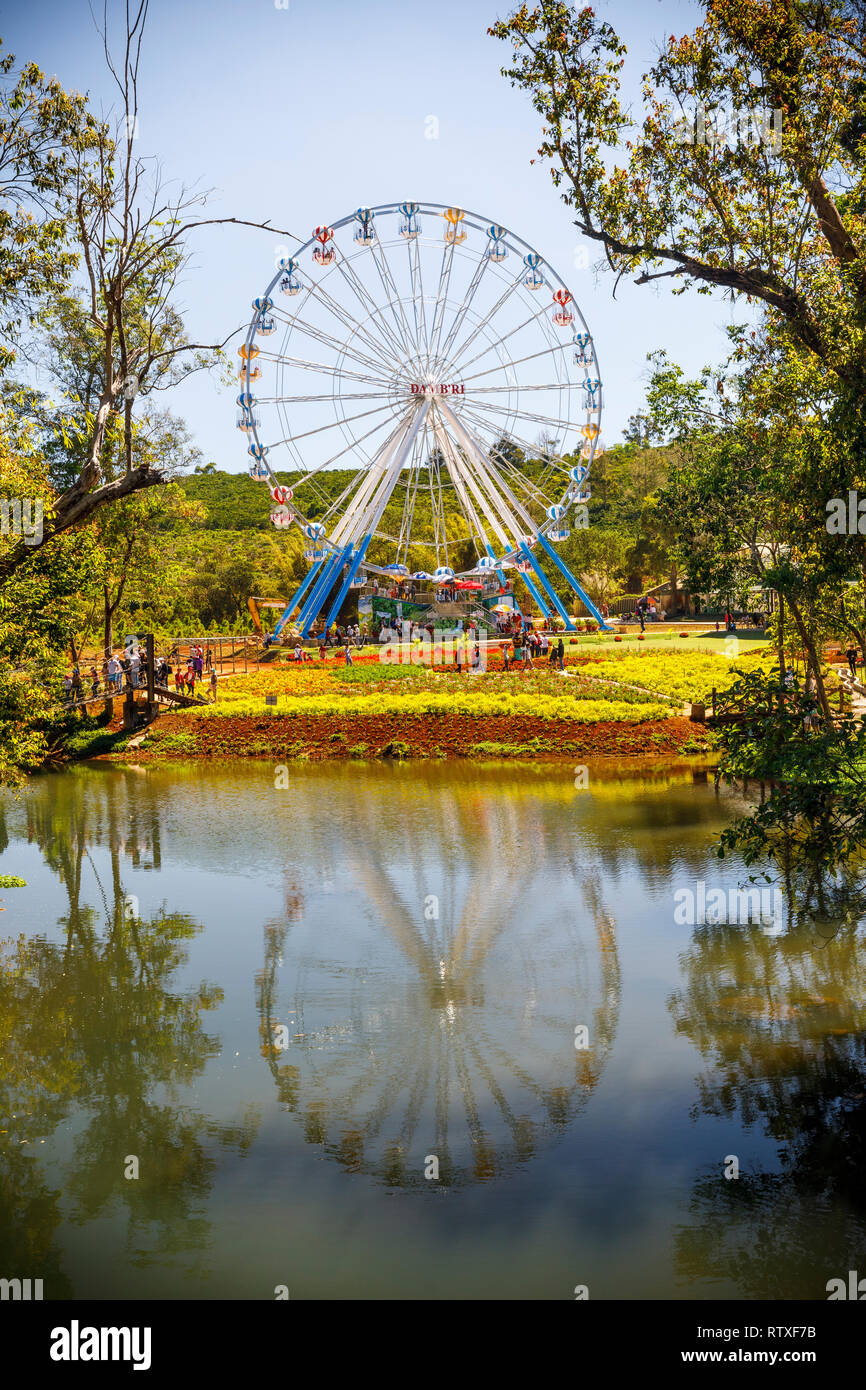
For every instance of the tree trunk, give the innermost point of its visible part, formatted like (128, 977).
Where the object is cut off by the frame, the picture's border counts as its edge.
(814, 662)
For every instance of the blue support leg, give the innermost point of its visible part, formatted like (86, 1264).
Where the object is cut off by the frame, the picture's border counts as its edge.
(533, 589)
(290, 607)
(313, 602)
(564, 570)
(326, 588)
(344, 587)
(548, 587)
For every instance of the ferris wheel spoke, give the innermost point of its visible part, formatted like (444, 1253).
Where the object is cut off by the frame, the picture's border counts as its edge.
(441, 301)
(497, 513)
(485, 427)
(302, 364)
(528, 449)
(417, 284)
(483, 466)
(343, 349)
(546, 386)
(358, 329)
(462, 311)
(515, 413)
(367, 302)
(392, 294)
(335, 458)
(491, 347)
(517, 362)
(464, 484)
(329, 398)
(491, 313)
(333, 424)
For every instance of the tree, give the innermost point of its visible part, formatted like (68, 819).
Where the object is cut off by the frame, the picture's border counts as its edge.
(776, 213)
(37, 608)
(39, 122)
(127, 231)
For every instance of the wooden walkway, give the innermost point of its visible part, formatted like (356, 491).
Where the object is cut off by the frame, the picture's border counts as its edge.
(162, 692)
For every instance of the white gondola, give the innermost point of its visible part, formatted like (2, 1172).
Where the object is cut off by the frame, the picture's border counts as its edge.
(265, 327)
(583, 353)
(409, 226)
(533, 279)
(496, 248)
(282, 518)
(562, 315)
(365, 233)
(442, 573)
(487, 563)
(258, 472)
(314, 547)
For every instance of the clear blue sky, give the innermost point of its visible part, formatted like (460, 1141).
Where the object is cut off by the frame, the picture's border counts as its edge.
(302, 114)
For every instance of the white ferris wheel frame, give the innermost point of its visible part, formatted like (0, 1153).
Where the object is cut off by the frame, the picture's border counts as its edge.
(380, 348)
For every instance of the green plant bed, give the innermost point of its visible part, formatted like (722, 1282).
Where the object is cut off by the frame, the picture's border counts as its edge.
(91, 743)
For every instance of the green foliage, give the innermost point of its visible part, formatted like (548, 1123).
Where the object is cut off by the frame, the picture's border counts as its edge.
(812, 824)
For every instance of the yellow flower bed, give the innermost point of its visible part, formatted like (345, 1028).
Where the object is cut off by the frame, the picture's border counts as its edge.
(477, 704)
(686, 676)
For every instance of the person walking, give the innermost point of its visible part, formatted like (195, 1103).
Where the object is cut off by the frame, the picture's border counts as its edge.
(67, 688)
(76, 682)
(851, 657)
(213, 685)
(348, 651)
(560, 654)
(505, 648)
(94, 681)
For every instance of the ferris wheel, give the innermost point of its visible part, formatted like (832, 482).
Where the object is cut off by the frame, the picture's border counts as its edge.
(445, 367)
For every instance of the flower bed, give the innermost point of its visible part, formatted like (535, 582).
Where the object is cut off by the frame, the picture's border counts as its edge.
(579, 706)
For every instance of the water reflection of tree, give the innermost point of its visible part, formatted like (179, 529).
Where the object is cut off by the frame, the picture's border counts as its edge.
(780, 1024)
(459, 1044)
(94, 1031)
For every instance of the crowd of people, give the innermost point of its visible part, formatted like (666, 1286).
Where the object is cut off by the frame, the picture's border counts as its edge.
(124, 671)
(529, 646)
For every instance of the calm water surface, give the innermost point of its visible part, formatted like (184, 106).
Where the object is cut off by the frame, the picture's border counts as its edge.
(289, 1005)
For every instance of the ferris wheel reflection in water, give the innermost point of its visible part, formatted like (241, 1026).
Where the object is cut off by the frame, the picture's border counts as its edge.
(436, 1009)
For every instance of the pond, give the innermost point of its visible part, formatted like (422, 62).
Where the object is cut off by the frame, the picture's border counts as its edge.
(416, 1030)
